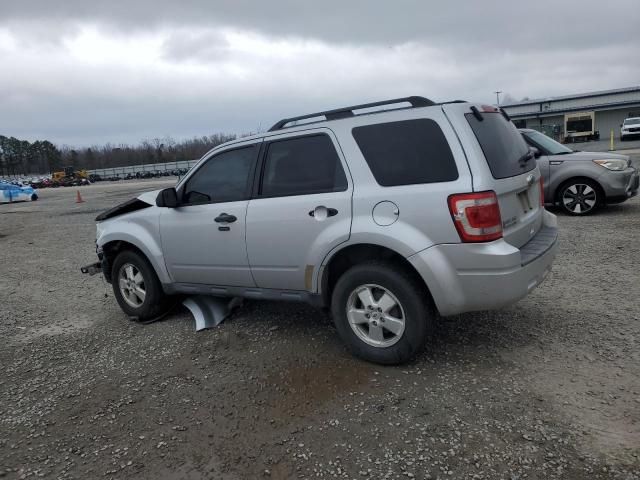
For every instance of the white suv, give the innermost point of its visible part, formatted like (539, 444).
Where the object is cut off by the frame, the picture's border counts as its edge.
(629, 128)
(388, 213)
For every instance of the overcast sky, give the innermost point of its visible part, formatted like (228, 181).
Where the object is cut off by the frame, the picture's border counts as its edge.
(79, 73)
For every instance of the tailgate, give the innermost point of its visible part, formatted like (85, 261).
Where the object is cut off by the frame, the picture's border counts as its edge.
(519, 200)
(501, 161)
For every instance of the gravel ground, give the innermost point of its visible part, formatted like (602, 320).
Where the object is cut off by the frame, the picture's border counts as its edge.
(548, 388)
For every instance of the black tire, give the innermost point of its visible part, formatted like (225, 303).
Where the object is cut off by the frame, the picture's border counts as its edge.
(577, 188)
(418, 311)
(155, 303)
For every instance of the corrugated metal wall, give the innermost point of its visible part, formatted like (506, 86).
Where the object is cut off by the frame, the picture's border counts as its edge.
(611, 119)
(574, 103)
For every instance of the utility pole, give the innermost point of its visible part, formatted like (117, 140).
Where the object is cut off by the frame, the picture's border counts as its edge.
(498, 97)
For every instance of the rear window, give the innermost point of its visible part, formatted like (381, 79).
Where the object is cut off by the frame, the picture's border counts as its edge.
(502, 145)
(407, 152)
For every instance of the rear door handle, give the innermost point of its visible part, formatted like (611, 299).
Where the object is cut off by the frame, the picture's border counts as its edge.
(226, 218)
(321, 212)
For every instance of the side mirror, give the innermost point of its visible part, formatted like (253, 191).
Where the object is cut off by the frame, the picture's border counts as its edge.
(167, 198)
(536, 152)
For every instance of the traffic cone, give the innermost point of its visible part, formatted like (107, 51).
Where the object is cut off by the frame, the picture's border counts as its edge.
(79, 197)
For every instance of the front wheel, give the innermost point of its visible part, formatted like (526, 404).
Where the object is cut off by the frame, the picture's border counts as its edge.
(137, 288)
(382, 313)
(579, 197)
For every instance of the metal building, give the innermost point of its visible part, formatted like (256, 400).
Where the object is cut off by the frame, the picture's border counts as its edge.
(561, 117)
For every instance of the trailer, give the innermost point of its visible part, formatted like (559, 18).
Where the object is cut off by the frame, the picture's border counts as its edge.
(580, 127)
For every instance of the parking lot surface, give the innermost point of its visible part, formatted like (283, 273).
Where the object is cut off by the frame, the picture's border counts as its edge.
(548, 388)
(604, 144)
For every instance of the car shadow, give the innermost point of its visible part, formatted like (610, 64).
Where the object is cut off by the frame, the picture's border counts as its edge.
(604, 210)
(476, 334)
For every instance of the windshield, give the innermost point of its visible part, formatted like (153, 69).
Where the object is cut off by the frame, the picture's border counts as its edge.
(632, 121)
(546, 144)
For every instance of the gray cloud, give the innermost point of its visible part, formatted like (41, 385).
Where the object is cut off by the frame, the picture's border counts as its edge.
(82, 72)
(529, 25)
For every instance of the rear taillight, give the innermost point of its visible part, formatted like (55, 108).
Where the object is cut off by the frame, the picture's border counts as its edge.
(476, 216)
(541, 192)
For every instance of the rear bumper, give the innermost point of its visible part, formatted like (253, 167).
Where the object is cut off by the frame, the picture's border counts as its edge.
(485, 276)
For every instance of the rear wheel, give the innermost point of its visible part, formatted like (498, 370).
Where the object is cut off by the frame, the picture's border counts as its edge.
(137, 288)
(579, 197)
(381, 313)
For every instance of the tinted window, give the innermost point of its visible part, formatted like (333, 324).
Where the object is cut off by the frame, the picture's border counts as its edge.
(502, 145)
(223, 178)
(407, 152)
(302, 165)
(546, 145)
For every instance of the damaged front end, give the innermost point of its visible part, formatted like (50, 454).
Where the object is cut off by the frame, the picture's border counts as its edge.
(99, 267)
(126, 207)
(135, 204)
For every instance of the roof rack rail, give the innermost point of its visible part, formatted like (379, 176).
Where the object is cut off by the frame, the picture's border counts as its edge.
(346, 112)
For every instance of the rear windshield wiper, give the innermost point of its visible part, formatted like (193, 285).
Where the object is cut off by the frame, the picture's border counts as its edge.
(522, 161)
(476, 113)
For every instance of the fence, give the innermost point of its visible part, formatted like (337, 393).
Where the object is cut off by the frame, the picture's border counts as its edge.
(148, 167)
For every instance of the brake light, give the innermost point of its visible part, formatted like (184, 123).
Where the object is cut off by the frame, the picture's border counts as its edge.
(476, 216)
(541, 192)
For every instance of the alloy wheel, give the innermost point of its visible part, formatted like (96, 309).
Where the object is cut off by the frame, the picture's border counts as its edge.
(375, 315)
(579, 198)
(131, 284)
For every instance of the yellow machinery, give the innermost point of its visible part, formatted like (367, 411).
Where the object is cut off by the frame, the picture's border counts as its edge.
(69, 174)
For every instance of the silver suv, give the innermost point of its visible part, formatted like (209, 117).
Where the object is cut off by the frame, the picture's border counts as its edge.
(388, 213)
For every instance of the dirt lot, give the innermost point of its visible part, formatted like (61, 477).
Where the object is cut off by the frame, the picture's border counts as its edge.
(549, 388)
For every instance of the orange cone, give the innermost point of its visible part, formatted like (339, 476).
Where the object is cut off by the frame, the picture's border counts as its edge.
(79, 197)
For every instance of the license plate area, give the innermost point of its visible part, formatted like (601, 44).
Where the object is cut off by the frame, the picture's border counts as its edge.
(525, 201)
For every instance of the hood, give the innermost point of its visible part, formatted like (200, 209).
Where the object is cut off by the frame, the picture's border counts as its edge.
(149, 197)
(144, 200)
(588, 156)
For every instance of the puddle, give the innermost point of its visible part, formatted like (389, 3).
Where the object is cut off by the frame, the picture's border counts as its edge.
(301, 388)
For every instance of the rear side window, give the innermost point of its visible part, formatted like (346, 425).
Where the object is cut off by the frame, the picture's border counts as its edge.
(302, 166)
(502, 145)
(407, 152)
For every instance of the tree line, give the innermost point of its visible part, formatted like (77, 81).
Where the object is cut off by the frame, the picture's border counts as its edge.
(20, 157)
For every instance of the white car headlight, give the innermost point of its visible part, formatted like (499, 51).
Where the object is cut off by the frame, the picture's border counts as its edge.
(612, 164)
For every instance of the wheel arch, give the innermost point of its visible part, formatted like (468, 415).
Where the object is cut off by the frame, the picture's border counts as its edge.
(112, 248)
(350, 255)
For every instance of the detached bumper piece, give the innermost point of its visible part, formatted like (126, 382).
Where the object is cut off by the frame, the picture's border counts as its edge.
(209, 312)
(92, 269)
